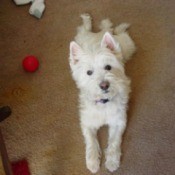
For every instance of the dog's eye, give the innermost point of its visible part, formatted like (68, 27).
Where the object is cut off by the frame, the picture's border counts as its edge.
(108, 67)
(89, 72)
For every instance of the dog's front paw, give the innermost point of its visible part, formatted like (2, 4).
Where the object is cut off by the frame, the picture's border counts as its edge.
(112, 165)
(112, 161)
(93, 165)
(93, 160)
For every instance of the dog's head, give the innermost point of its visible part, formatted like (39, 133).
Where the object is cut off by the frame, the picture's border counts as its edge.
(99, 75)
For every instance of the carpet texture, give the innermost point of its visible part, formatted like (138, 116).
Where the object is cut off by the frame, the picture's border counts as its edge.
(44, 126)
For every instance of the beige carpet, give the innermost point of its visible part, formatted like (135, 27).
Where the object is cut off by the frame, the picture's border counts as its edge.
(44, 126)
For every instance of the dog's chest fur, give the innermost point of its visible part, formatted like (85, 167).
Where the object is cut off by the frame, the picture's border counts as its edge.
(99, 114)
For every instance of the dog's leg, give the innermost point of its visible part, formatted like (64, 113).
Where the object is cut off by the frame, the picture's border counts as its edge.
(121, 28)
(92, 149)
(113, 152)
(126, 42)
(87, 24)
(87, 21)
(84, 29)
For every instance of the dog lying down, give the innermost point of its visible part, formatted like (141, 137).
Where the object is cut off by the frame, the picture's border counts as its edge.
(97, 64)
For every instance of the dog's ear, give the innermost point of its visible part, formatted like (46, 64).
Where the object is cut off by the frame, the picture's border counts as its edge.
(109, 42)
(75, 51)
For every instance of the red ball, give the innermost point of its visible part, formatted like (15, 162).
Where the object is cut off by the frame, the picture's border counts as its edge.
(30, 63)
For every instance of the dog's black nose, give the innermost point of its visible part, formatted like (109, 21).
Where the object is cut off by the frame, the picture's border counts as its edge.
(104, 85)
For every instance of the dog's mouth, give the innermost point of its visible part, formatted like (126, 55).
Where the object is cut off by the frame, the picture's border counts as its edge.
(103, 101)
(106, 91)
(105, 96)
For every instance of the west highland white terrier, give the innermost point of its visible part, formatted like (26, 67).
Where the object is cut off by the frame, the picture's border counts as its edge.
(97, 64)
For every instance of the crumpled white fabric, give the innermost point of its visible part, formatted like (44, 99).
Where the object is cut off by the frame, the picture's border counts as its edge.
(37, 8)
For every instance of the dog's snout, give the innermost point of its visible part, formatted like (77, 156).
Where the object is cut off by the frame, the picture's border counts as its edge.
(104, 85)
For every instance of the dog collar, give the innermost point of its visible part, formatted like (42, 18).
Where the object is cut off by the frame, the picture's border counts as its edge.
(102, 101)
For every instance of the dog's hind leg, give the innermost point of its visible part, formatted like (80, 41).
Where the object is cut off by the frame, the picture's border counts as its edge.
(126, 42)
(121, 28)
(87, 22)
(84, 29)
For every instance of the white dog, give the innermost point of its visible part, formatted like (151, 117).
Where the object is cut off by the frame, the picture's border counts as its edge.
(97, 64)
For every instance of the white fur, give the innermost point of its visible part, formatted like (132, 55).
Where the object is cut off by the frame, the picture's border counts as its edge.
(93, 51)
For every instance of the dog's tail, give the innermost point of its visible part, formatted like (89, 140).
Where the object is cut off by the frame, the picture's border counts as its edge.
(106, 25)
(121, 28)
